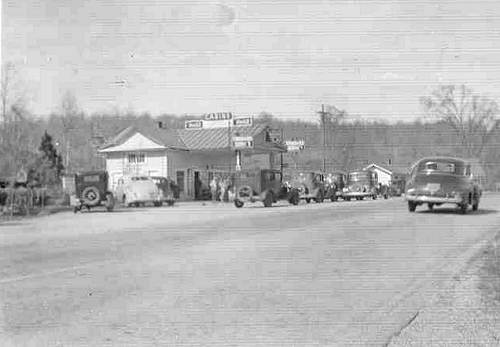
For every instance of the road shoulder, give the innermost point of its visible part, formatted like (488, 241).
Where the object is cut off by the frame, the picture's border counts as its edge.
(466, 312)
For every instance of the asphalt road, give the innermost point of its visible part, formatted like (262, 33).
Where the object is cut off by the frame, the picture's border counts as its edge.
(318, 274)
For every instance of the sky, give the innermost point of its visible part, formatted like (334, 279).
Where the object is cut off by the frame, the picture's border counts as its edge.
(372, 58)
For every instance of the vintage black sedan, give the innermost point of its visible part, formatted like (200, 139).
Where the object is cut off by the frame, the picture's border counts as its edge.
(442, 180)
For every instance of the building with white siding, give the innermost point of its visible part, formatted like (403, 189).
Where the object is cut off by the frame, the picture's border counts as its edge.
(384, 175)
(188, 156)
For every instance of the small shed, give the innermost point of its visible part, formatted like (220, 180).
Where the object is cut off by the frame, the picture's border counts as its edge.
(384, 175)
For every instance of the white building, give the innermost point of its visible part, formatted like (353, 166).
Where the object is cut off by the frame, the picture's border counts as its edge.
(384, 175)
(188, 156)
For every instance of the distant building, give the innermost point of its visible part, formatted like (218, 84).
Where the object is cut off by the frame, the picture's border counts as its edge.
(384, 175)
(189, 156)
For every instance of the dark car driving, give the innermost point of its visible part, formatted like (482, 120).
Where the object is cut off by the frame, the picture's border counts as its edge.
(442, 180)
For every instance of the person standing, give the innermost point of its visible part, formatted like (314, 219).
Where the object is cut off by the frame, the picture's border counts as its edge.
(213, 188)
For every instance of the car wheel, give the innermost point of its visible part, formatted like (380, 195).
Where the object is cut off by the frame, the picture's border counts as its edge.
(110, 202)
(347, 198)
(294, 197)
(268, 199)
(361, 198)
(170, 202)
(463, 207)
(319, 198)
(475, 205)
(412, 206)
(91, 196)
(374, 196)
(238, 203)
(308, 200)
(430, 206)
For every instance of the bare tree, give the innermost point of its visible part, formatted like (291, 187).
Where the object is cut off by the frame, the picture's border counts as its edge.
(472, 117)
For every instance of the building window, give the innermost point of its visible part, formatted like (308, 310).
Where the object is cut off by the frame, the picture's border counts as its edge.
(136, 157)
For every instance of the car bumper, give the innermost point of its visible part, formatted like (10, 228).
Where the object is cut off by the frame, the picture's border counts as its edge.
(432, 199)
(356, 194)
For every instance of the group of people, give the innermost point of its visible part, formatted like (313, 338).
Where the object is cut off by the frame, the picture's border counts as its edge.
(221, 188)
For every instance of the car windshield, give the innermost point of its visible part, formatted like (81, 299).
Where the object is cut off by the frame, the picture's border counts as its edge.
(442, 166)
(358, 177)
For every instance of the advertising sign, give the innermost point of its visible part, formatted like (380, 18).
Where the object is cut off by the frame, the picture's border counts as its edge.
(295, 146)
(194, 124)
(241, 142)
(219, 116)
(242, 121)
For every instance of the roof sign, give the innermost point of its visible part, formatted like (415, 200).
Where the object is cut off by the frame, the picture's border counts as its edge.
(219, 116)
(193, 124)
(243, 121)
(294, 146)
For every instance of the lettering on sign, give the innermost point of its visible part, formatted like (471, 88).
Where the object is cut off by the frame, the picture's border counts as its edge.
(193, 124)
(219, 116)
(295, 146)
(242, 121)
(242, 142)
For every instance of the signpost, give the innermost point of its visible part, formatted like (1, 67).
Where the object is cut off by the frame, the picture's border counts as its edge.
(295, 145)
(241, 142)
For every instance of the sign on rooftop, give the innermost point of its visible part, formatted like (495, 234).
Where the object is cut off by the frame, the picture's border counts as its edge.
(219, 116)
(194, 124)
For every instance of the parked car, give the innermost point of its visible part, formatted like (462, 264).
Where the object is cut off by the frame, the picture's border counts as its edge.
(442, 180)
(91, 190)
(360, 185)
(138, 191)
(308, 185)
(258, 185)
(167, 187)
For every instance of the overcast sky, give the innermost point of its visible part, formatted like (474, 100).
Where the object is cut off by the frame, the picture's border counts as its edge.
(373, 58)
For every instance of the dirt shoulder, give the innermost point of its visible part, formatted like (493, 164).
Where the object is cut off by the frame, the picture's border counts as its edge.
(467, 312)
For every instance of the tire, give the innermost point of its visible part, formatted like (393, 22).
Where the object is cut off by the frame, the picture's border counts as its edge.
(430, 206)
(333, 198)
(294, 198)
(268, 199)
(91, 196)
(386, 196)
(238, 203)
(110, 202)
(319, 197)
(475, 204)
(374, 197)
(170, 202)
(361, 198)
(158, 203)
(463, 208)
(412, 206)
(308, 200)
(347, 198)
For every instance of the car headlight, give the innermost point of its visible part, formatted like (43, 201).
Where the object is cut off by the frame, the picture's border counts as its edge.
(410, 191)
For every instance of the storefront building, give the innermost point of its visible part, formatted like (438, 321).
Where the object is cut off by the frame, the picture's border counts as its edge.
(193, 155)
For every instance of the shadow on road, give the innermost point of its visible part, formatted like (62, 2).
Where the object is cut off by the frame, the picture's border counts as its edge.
(456, 211)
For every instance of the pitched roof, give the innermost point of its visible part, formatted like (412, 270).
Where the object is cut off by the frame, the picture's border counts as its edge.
(216, 138)
(378, 167)
(165, 137)
(195, 139)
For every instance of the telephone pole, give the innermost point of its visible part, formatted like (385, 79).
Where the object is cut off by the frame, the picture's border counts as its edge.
(323, 114)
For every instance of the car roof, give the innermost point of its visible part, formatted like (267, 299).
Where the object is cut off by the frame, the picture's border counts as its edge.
(442, 158)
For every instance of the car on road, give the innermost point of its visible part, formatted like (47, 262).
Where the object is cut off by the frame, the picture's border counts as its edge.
(308, 185)
(258, 185)
(138, 191)
(360, 185)
(442, 180)
(91, 190)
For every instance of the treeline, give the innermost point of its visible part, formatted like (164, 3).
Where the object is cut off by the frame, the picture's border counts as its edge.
(346, 145)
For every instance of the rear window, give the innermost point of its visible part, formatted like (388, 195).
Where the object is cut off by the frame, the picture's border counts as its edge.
(443, 166)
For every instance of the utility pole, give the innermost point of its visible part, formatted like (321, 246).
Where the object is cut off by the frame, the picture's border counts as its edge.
(323, 114)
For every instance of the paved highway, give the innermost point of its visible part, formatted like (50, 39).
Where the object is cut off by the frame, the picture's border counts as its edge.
(317, 274)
